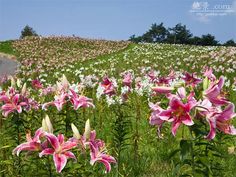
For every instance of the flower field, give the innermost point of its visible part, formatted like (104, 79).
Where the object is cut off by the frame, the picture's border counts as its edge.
(81, 107)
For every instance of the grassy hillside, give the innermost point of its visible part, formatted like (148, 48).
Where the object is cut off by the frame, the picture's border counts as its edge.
(7, 48)
(122, 117)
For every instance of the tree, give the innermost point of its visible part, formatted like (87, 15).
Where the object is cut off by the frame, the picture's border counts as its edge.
(208, 40)
(135, 39)
(179, 34)
(230, 43)
(195, 40)
(158, 33)
(28, 31)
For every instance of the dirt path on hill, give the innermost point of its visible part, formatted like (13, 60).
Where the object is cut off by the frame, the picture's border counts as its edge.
(7, 66)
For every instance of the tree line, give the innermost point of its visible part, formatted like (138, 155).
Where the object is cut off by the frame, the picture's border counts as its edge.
(179, 34)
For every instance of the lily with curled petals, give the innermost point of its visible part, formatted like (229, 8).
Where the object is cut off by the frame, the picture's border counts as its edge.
(179, 112)
(221, 121)
(191, 79)
(59, 149)
(108, 86)
(127, 79)
(32, 144)
(209, 74)
(98, 154)
(59, 101)
(155, 119)
(36, 84)
(12, 104)
(80, 101)
(214, 93)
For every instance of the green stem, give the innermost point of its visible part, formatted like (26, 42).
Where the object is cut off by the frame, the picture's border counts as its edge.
(49, 167)
(18, 123)
(67, 120)
(136, 138)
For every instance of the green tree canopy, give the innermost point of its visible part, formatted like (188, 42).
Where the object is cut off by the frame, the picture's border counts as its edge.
(208, 40)
(230, 43)
(179, 34)
(28, 31)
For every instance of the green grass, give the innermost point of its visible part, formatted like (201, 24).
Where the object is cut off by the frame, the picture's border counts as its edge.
(7, 48)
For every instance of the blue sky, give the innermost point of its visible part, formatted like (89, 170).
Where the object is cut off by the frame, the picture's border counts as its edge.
(111, 19)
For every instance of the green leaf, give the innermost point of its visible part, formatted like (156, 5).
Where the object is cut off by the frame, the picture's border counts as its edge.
(186, 149)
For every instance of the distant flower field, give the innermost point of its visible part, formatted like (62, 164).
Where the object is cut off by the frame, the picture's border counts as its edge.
(80, 107)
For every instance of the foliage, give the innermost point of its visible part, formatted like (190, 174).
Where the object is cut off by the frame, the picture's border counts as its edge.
(6, 47)
(230, 43)
(28, 31)
(179, 34)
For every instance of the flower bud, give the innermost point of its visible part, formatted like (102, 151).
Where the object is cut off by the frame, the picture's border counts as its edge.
(13, 83)
(47, 125)
(23, 90)
(206, 83)
(76, 133)
(18, 83)
(87, 129)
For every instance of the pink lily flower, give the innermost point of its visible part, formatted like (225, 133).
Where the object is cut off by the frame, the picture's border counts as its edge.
(191, 79)
(163, 89)
(97, 152)
(36, 84)
(108, 86)
(127, 80)
(32, 144)
(214, 94)
(166, 80)
(179, 112)
(155, 119)
(80, 101)
(221, 121)
(151, 74)
(12, 104)
(59, 101)
(48, 90)
(59, 149)
(209, 74)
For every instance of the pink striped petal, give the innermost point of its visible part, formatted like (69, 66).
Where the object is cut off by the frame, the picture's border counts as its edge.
(19, 109)
(187, 120)
(221, 82)
(163, 89)
(4, 98)
(38, 134)
(175, 126)
(165, 115)
(228, 113)
(20, 148)
(15, 99)
(182, 92)
(92, 135)
(108, 158)
(69, 154)
(212, 132)
(176, 103)
(53, 140)
(68, 145)
(47, 151)
(60, 138)
(107, 165)
(60, 161)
